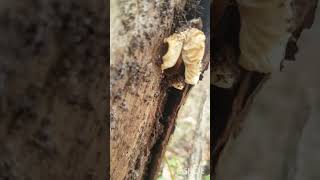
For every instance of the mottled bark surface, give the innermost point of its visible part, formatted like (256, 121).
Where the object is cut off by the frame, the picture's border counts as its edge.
(143, 107)
(53, 90)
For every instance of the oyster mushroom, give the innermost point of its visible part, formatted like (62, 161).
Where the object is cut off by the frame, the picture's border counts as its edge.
(264, 33)
(175, 43)
(192, 54)
(190, 44)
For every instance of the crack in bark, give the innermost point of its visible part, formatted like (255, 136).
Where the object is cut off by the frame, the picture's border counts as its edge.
(175, 99)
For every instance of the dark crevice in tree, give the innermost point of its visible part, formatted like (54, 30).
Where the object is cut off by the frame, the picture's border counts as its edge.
(175, 98)
(225, 26)
(221, 103)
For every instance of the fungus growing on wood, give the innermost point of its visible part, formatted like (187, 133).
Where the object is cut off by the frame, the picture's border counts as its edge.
(190, 44)
(264, 33)
(175, 43)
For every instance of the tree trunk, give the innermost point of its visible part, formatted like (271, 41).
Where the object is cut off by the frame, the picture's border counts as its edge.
(143, 107)
(53, 90)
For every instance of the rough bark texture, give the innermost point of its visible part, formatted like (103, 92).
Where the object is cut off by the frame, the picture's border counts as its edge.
(143, 107)
(230, 106)
(53, 90)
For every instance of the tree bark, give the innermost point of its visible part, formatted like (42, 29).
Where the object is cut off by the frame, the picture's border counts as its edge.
(53, 90)
(143, 106)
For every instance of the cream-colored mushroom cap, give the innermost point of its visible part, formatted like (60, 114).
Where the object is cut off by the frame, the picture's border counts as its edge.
(175, 43)
(191, 45)
(264, 33)
(192, 54)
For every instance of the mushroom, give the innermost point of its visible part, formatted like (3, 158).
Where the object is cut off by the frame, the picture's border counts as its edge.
(264, 33)
(175, 43)
(192, 54)
(190, 44)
